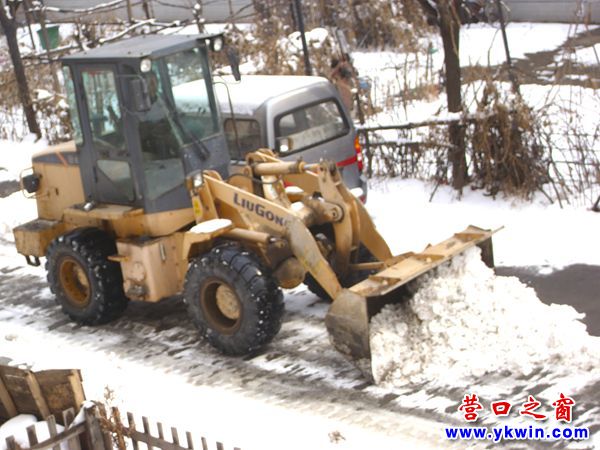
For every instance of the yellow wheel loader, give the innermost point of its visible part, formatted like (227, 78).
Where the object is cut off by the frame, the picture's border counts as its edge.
(144, 204)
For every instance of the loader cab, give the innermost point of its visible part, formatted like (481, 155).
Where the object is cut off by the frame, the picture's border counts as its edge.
(144, 115)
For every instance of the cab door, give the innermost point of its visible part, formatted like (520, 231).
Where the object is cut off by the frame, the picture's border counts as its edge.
(105, 137)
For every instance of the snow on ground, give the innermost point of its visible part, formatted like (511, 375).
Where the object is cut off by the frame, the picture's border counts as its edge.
(588, 55)
(534, 234)
(299, 394)
(16, 156)
(481, 44)
(305, 389)
(462, 308)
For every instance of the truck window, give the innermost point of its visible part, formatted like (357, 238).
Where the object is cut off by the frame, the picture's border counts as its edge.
(248, 136)
(309, 126)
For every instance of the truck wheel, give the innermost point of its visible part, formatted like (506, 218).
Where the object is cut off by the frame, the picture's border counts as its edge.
(87, 286)
(234, 303)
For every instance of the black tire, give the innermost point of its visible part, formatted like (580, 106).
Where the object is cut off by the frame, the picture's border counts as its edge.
(233, 301)
(87, 286)
(364, 255)
(313, 286)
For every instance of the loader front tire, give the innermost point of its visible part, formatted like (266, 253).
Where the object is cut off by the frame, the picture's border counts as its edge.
(87, 286)
(233, 301)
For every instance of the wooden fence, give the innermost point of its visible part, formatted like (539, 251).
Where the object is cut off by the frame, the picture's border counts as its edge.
(407, 153)
(94, 429)
(40, 393)
(420, 150)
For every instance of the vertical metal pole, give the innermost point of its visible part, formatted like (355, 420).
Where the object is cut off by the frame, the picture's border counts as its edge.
(511, 74)
(28, 20)
(231, 13)
(146, 7)
(42, 20)
(129, 12)
(300, 23)
(198, 16)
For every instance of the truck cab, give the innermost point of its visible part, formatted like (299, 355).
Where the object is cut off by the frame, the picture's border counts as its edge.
(297, 116)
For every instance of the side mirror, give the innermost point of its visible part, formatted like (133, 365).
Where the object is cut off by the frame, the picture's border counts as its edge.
(234, 63)
(139, 95)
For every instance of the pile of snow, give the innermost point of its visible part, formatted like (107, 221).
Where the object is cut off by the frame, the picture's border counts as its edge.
(463, 322)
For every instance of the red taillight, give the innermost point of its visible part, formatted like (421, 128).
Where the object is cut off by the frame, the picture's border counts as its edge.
(359, 154)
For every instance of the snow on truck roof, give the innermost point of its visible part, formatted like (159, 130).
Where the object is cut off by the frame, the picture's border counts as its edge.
(252, 91)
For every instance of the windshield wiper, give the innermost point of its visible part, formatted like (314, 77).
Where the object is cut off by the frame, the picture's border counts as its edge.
(200, 147)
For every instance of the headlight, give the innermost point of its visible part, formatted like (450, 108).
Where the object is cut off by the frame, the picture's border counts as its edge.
(145, 65)
(197, 181)
(216, 44)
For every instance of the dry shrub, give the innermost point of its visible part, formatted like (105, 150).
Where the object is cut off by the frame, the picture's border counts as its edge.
(367, 23)
(572, 134)
(51, 109)
(53, 112)
(273, 46)
(507, 154)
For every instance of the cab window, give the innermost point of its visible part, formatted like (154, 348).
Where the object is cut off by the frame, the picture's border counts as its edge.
(195, 106)
(161, 141)
(73, 112)
(106, 126)
(104, 110)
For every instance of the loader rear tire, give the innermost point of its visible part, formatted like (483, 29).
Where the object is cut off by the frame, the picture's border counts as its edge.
(87, 286)
(233, 301)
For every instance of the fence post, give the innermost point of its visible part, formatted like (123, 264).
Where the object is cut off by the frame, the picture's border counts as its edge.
(51, 421)
(11, 444)
(68, 418)
(36, 390)
(7, 400)
(94, 429)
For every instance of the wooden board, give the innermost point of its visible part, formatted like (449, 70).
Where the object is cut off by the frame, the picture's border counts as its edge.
(39, 393)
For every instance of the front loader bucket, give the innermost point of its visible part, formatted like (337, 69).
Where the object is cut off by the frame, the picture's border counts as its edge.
(348, 318)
